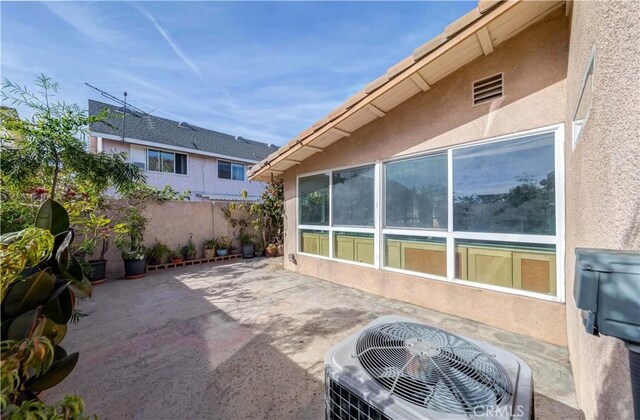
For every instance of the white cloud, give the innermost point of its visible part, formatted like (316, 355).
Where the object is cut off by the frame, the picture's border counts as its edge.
(85, 19)
(176, 48)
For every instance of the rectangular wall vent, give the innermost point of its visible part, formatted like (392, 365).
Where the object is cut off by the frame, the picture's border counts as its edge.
(488, 89)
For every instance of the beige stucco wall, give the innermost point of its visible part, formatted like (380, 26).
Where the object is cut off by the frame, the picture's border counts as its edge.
(603, 184)
(534, 67)
(172, 223)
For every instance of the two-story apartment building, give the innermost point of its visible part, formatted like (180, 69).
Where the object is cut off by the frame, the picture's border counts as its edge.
(210, 164)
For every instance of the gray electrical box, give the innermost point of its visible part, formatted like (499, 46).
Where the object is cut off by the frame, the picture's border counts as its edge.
(607, 289)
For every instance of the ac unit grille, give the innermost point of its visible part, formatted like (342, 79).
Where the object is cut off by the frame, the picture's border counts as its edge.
(342, 404)
(432, 368)
(488, 89)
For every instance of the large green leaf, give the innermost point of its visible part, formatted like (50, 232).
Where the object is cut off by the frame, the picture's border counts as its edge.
(51, 330)
(53, 217)
(62, 251)
(82, 289)
(74, 270)
(20, 327)
(58, 353)
(59, 309)
(54, 375)
(28, 293)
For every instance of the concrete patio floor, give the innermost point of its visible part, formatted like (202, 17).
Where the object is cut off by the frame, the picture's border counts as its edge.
(246, 340)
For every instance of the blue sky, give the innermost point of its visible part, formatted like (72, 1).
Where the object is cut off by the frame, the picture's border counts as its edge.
(264, 70)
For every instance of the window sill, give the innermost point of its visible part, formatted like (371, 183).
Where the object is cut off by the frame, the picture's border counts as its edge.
(458, 282)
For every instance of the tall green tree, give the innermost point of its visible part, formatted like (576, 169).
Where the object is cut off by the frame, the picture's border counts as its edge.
(42, 149)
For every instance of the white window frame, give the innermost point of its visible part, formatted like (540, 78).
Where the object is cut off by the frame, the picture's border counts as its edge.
(577, 126)
(379, 230)
(331, 229)
(146, 155)
(231, 163)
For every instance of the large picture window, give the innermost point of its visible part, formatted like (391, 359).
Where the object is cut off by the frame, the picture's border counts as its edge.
(505, 187)
(416, 193)
(485, 214)
(314, 200)
(168, 162)
(353, 197)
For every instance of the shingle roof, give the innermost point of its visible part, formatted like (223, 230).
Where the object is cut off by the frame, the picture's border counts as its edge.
(161, 130)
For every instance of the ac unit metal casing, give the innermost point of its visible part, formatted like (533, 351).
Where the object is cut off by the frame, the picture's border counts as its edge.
(351, 392)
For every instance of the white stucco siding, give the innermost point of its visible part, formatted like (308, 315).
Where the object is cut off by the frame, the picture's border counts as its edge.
(201, 177)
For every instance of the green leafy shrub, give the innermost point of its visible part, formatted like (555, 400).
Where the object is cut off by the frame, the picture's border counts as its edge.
(39, 295)
(158, 253)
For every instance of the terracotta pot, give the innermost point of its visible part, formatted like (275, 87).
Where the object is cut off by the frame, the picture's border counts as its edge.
(271, 252)
(280, 250)
(209, 253)
(176, 260)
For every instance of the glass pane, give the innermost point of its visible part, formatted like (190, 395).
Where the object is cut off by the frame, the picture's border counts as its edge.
(415, 253)
(505, 187)
(416, 193)
(168, 162)
(353, 197)
(153, 156)
(354, 247)
(237, 172)
(181, 164)
(314, 242)
(313, 196)
(522, 266)
(224, 169)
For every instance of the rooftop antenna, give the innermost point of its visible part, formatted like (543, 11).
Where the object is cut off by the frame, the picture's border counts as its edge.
(118, 101)
(124, 105)
(124, 117)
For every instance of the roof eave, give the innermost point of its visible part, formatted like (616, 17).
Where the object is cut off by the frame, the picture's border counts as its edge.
(473, 23)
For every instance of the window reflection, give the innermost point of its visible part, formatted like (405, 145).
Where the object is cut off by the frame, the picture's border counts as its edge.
(353, 197)
(505, 187)
(314, 199)
(416, 193)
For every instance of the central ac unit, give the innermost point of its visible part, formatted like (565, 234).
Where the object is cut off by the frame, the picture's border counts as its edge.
(397, 368)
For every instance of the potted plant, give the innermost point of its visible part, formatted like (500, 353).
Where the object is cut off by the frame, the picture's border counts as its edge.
(176, 255)
(189, 251)
(271, 250)
(224, 243)
(259, 250)
(158, 253)
(280, 250)
(209, 248)
(87, 215)
(248, 247)
(129, 239)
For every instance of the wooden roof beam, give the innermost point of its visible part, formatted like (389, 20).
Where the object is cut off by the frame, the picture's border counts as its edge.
(308, 146)
(420, 82)
(336, 130)
(375, 110)
(485, 41)
(295, 162)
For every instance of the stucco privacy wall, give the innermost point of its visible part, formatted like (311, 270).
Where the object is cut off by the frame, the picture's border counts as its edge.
(202, 175)
(172, 222)
(603, 185)
(534, 67)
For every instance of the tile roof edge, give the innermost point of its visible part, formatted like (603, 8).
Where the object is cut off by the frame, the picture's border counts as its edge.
(481, 11)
